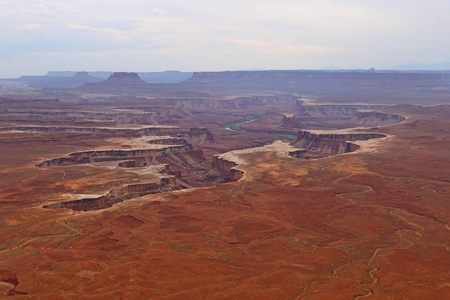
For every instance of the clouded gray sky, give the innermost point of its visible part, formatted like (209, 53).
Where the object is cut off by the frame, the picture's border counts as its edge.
(203, 35)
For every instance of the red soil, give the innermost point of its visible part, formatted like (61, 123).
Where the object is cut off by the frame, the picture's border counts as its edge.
(370, 224)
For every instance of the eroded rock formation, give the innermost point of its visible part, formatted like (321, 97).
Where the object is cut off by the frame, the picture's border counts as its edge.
(222, 171)
(228, 168)
(198, 136)
(165, 184)
(300, 153)
(376, 118)
(153, 130)
(91, 156)
(331, 143)
(341, 116)
(289, 121)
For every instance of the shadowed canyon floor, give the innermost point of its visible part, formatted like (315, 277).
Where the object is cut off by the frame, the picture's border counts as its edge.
(360, 213)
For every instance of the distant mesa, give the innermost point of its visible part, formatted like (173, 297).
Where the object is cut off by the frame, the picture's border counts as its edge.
(59, 79)
(124, 78)
(83, 75)
(60, 74)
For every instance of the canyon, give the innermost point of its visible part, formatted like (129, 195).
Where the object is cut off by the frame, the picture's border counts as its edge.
(227, 185)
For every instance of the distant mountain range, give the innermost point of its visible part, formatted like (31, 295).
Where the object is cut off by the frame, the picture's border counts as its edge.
(425, 67)
(72, 79)
(150, 77)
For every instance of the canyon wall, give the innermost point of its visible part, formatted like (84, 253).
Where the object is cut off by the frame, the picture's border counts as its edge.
(318, 111)
(228, 168)
(193, 136)
(331, 143)
(343, 116)
(198, 136)
(165, 184)
(119, 117)
(376, 118)
(234, 103)
(99, 130)
(90, 156)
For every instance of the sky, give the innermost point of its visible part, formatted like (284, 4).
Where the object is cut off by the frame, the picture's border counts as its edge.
(218, 35)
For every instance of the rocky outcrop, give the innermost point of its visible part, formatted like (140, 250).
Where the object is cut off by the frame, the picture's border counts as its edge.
(300, 153)
(352, 147)
(129, 164)
(331, 143)
(289, 121)
(227, 167)
(198, 136)
(165, 184)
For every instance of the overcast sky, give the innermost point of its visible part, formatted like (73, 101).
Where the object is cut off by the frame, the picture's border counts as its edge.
(208, 35)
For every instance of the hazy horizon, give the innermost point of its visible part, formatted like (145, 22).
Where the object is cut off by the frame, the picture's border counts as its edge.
(202, 35)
